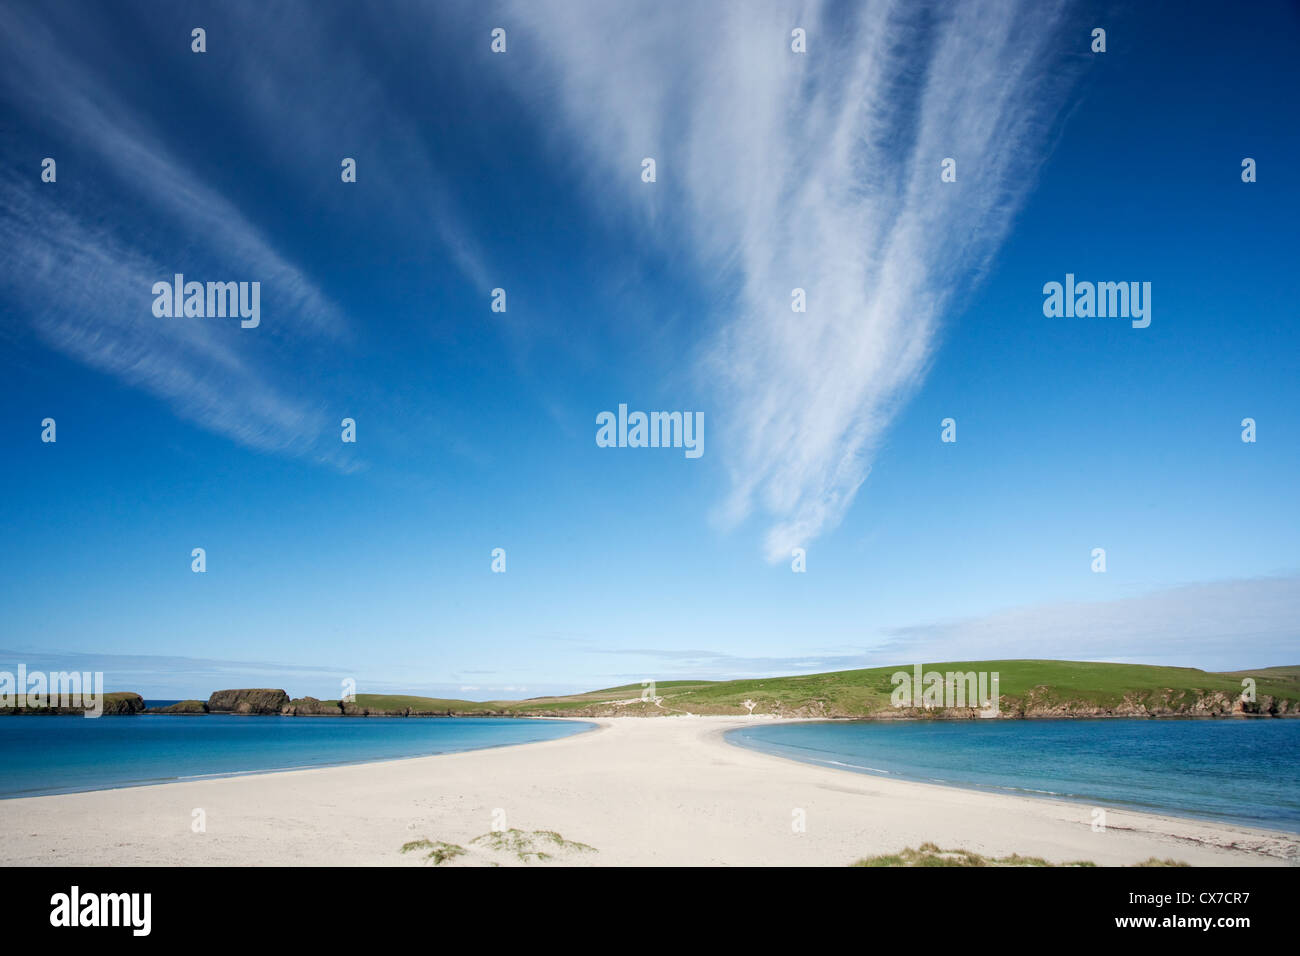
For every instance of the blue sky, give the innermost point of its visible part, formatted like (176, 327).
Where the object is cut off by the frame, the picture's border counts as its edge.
(476, 429)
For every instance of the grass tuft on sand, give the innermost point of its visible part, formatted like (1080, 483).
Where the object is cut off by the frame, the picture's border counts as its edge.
(526, 846)
(439, 852)
(529, 845)
(931, 854)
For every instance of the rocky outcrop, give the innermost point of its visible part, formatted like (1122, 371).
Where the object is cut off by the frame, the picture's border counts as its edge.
(120, 704)
(257, 700)
(311, 707)
(184, 707)
(1267, 706)
(1041, 702)
(115, 705)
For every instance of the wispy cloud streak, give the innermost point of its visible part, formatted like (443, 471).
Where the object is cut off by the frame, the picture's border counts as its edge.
(84, 282)
(78, 282)
(819, 171)
(50, 81)
(1227, 625)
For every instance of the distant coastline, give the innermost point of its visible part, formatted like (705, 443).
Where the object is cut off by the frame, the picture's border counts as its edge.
(1028, 689)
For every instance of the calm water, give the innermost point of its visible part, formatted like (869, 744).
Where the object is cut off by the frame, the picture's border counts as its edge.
(61, 754)
(1246, 771)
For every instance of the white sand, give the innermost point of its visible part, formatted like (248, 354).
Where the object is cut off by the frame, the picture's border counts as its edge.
(641, 791)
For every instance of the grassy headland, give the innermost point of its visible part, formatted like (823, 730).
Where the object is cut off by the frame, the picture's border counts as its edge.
(1028, 688)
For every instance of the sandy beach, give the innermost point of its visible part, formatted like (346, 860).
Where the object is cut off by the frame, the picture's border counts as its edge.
(636, 791)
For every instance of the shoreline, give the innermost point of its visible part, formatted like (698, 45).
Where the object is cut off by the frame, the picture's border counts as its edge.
(722, 734)
(221, 775)
(1026, 793)
(670, 792)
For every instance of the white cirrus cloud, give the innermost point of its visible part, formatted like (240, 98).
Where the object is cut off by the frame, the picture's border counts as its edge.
(821, 171)
(78, 281)
(80, 268)
(44, 78)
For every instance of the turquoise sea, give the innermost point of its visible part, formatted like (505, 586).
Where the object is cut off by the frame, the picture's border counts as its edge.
(61, 754)
(1244, 771)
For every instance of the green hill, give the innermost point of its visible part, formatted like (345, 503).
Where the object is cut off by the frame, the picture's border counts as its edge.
(1027, 688)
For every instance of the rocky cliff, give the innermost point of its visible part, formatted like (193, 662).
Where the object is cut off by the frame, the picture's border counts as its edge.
(258, 700)
(115, 704)
(311, 707)
(123, 704)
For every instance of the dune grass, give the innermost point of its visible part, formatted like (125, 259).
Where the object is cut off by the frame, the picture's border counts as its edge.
(438, 851)
(930, 854)
(529, 845)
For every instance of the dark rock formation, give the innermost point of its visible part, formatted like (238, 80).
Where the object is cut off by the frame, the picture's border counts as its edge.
(311, 707)
(115, 705)
(258, 700)
(1267, 706)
